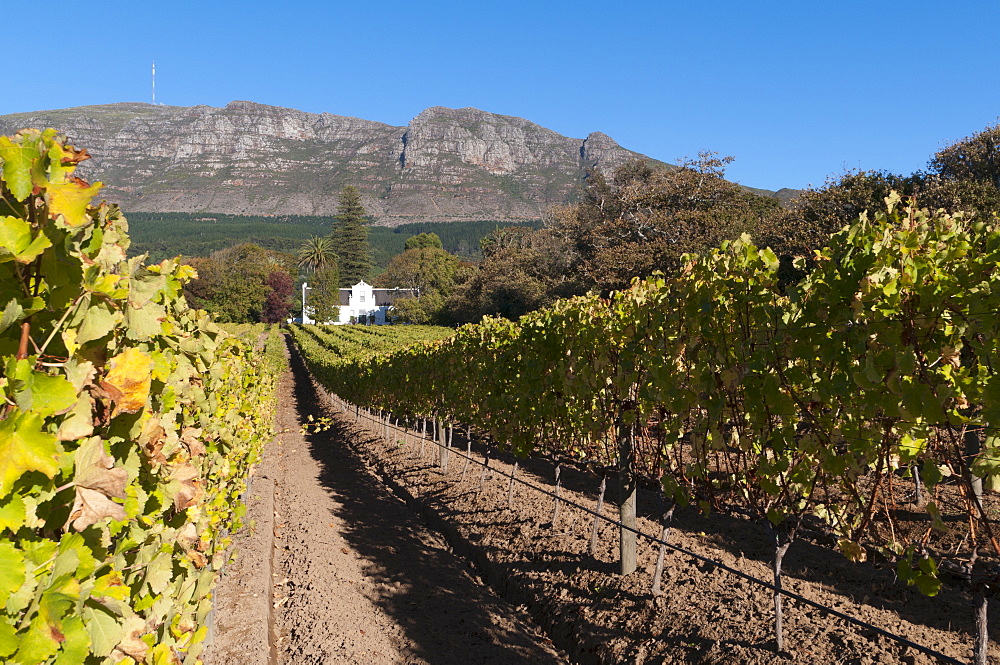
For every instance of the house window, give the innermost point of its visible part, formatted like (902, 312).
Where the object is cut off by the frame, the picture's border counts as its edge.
(362, 298)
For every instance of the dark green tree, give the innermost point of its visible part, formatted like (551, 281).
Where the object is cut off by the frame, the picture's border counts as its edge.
(962, 177)
(422, 269)
(815, 214)
(423, 241)
(425, 309)
(975, 158)
(233, 283)
(350, 239)
(430, 270)
(324, 296)
(521, 271)
(649, 216)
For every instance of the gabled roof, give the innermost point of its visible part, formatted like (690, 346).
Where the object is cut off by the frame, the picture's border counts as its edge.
(385, 297)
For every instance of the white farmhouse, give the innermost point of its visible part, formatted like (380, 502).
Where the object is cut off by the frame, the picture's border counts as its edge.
(363, 302)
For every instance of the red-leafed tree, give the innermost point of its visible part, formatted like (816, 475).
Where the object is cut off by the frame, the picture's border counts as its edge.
(278, 300)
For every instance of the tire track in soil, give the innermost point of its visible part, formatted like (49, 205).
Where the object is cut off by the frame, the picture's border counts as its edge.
(359, 577)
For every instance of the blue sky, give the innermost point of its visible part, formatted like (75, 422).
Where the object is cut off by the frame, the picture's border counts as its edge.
(795, 91)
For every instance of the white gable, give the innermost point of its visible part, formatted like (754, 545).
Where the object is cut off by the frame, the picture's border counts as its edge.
(362, 296)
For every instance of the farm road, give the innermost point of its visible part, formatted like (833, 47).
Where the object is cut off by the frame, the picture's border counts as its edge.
(357, 576)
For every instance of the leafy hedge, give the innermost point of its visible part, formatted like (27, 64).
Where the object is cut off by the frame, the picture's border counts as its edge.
(128, 426)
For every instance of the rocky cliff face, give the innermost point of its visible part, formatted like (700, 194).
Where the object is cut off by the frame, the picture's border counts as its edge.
(247, 158)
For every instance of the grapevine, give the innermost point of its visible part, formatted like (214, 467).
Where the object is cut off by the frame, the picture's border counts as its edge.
(794, 406)
(128, 426)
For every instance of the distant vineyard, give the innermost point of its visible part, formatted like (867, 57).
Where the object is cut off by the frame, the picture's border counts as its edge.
(871, 377)
(328, 348)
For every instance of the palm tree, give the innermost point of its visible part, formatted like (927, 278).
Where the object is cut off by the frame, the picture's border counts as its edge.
(316, 253)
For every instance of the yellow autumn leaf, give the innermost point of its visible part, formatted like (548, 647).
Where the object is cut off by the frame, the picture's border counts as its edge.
(129, 379)
(69, 200)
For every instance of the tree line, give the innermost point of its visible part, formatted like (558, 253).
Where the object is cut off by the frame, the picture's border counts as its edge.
(634, 222)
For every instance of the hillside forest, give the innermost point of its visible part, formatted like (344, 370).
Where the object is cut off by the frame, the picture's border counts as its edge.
(634, 222)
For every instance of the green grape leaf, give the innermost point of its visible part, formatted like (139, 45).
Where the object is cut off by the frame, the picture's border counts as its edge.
(104, 629)
(25, 446)
(12, 570)
(12, 512)
(97, 322)
(16, 243)
(159, 572)
(929, 585)
(144, 322)
(79, 423)
(46, 395)
(76, 644)
(144, 286)
(19, 159)
(12, 313)
(8, 639)
(38, 644)
(55, 603)
(65, 564)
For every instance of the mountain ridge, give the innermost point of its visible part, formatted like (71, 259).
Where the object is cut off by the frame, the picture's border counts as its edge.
(248, 158)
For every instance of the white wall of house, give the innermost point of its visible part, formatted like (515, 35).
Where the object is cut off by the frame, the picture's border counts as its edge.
(361, 302)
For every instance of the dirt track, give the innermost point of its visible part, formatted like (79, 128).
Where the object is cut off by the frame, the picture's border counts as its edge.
(359, 577)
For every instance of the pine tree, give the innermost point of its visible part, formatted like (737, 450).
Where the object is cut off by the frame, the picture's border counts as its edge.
(350, 239)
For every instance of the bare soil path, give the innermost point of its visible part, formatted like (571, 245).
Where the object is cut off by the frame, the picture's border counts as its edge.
(357, 576)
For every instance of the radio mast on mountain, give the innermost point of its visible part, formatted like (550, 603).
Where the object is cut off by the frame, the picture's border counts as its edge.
(154, 82)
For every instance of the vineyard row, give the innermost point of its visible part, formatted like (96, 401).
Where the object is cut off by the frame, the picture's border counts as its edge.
(786, 403)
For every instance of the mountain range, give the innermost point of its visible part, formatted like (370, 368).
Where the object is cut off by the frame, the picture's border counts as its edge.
(248, 158)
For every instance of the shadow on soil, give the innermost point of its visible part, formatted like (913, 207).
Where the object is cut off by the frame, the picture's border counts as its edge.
(447, 619)
(565, 612)
(877, 584)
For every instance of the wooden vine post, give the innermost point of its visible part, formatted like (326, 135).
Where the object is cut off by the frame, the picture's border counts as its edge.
(442, 445)
(599, 510)
(782, 541)
(626, 496)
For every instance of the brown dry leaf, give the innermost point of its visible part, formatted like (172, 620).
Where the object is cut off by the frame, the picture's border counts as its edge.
(130, 376)
(188, 489)
(191, 437)
(187, 536)
(96, 470)
(91, 506)
(198, 558)
(151, 440)
(132, 644)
